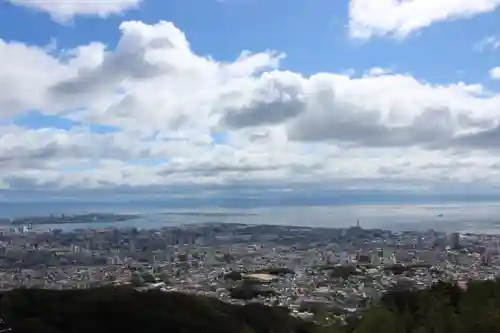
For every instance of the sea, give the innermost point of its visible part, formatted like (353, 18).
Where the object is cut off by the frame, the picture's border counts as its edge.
(475, 217)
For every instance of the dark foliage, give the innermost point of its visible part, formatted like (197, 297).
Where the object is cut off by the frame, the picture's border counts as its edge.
(126, 310)
(281, 271)
(445, 308)
(278, 271)
(397, 269)
(234, 275)
(344, 272)
(248, 291)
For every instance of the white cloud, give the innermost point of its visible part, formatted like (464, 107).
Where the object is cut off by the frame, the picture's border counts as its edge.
(64, 10)
(490, 42)
(368, 18)
(377, 71)
(495, 73)
(32, 76)
(279, 126)
(38, 70)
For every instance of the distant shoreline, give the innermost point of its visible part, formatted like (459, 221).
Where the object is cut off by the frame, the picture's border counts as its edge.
(69, 219)
(91, 218)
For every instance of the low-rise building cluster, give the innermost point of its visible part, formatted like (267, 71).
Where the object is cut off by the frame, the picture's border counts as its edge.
(307, 270)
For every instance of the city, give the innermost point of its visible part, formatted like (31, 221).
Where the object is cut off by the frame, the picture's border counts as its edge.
(303, 269)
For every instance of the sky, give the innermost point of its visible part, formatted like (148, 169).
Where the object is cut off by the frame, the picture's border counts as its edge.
(303, 100)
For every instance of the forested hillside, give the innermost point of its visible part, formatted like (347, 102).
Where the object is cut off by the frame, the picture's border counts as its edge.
(445, 308)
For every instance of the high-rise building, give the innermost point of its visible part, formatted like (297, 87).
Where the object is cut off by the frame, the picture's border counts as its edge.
(454, 240)
(486, 257)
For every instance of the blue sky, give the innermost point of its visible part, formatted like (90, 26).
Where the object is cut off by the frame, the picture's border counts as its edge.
(312, 33)
(365, 96)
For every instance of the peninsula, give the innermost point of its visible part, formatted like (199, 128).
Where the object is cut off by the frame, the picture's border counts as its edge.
(69, 219)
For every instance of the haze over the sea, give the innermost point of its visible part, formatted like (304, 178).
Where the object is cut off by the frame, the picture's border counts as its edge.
(448, 216)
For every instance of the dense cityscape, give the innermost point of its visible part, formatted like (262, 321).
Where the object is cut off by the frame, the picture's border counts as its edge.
(300, 268)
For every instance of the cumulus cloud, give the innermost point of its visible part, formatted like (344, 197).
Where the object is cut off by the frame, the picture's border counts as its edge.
(393, 110)
(399, 18)
(64, 10)
(278, 126)
(32, 76)
(277, 97)
(495, 73)
(376, 71)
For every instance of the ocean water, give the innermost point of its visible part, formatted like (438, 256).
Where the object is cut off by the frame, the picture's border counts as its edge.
(463, 217)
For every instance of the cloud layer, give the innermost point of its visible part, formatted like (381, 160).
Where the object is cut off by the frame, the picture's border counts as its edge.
(183, 118)
(65, 10)
(400, 18)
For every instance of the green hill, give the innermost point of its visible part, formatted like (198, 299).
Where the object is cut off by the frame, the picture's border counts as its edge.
(445, 308)
(124, 310)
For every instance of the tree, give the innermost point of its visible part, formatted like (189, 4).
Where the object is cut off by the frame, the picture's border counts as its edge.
(111, 310)
(148, 277)
(136, 279)
(378, 320)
